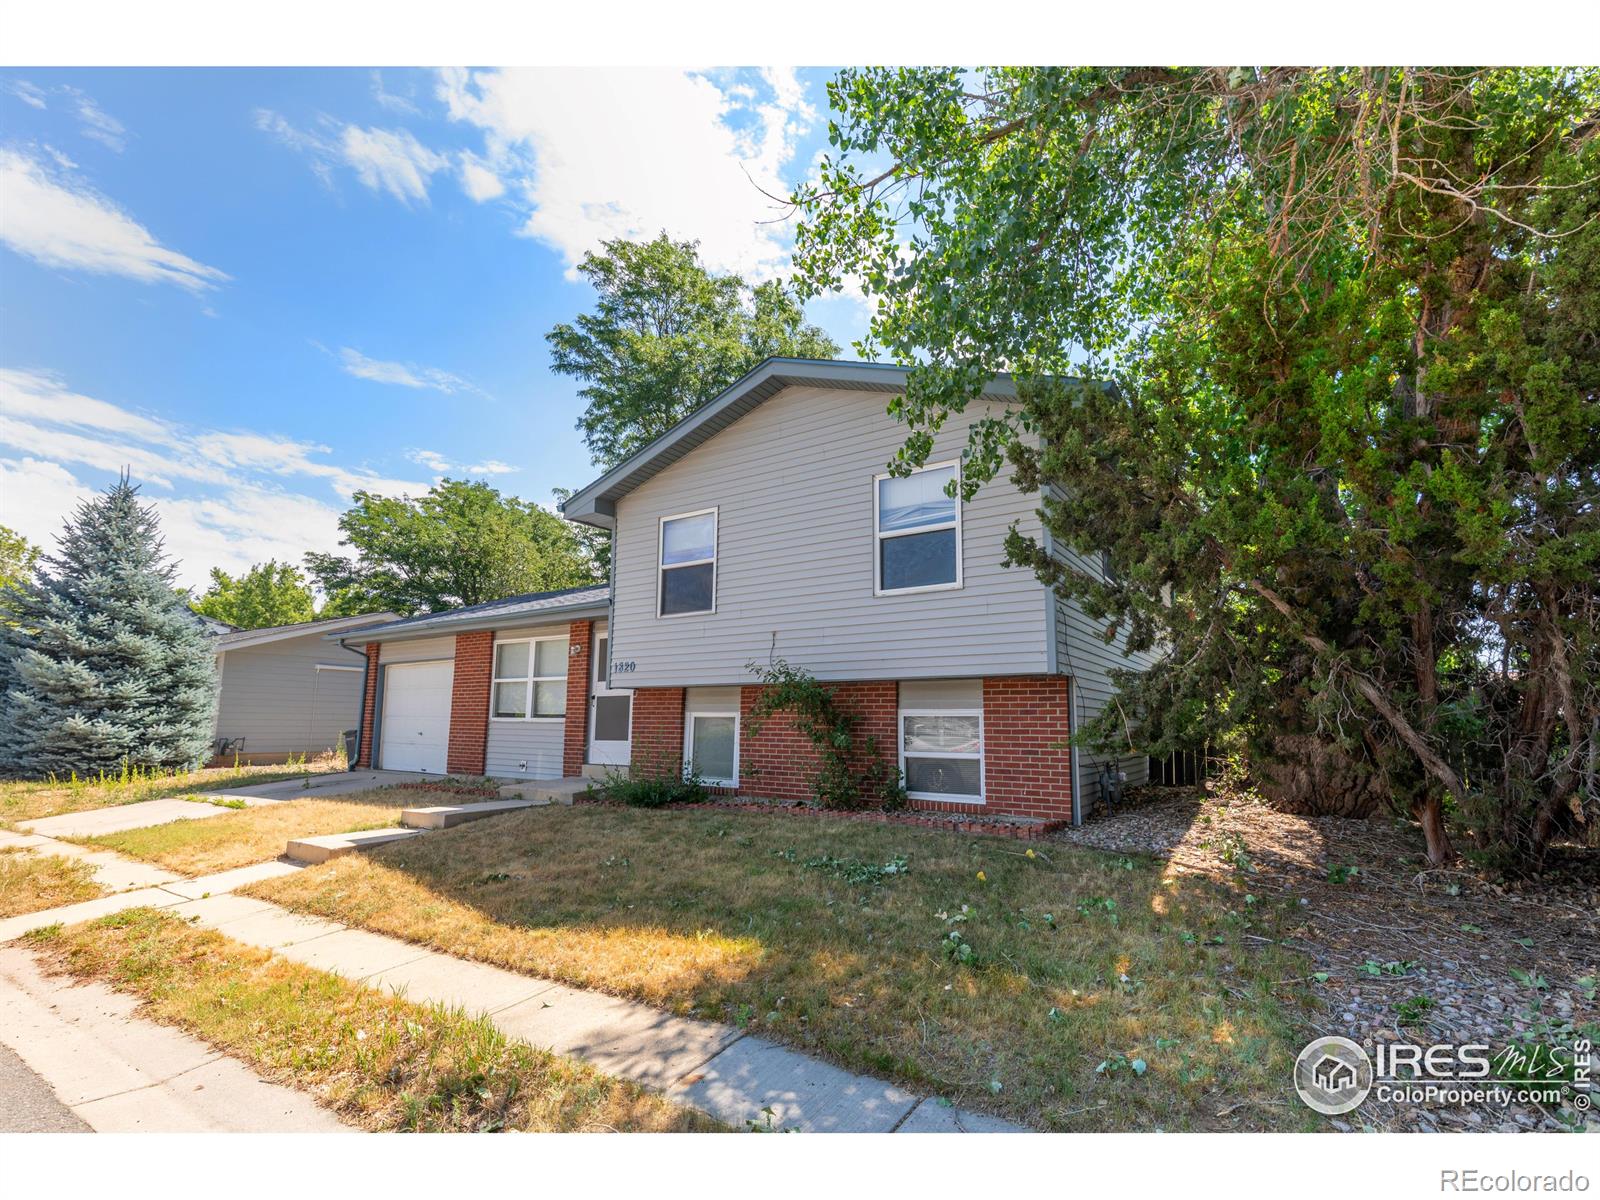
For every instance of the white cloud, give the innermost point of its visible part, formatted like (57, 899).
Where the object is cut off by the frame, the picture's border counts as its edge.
(391, 161)
(385, 160)
(388, 99)
(95, 122)
(28, 93)
(60, 222)
(478, 181)
(404, 374)
(596, 154)
(441, 465)
(235, 507)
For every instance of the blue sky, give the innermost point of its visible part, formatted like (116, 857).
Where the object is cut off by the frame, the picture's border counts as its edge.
(263, 289)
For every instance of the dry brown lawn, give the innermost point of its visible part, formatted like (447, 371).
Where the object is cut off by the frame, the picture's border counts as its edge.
(34, 882)
(1067, 988)
(28, 800)
(376, 1061)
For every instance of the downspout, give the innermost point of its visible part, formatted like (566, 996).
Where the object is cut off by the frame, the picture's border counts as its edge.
(361, 714)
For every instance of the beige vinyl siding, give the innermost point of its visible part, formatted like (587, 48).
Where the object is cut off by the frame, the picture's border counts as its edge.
(420, 650)
(274, 697)
(1083, 653)
(793, 483)
(934, 695)
(527, 749)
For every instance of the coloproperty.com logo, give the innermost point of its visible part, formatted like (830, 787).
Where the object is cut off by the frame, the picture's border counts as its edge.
(1335, 1075)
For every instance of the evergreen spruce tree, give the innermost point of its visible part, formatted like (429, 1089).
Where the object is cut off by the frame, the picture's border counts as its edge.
(102, 664)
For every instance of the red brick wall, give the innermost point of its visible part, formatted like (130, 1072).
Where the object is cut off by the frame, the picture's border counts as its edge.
(1027, 762)
(779, 763)
(579, 667)
(469, 703)
(657, 729)
(368, 707)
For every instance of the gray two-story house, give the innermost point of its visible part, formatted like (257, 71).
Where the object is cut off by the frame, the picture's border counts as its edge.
(767, 526)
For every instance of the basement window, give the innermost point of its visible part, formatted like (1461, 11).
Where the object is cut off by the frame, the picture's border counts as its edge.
(918, 530)
(941, 754)
(688, 549)
(530, 679)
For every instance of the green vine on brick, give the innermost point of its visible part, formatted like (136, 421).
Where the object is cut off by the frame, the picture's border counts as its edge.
(849, 775)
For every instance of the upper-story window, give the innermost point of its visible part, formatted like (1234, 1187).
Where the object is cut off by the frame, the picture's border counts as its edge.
(918, 530)
(688, 564)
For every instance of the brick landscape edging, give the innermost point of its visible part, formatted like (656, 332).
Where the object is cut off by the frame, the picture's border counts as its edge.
(1032, 831)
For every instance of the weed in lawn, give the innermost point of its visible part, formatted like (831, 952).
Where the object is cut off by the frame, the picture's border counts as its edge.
(853, 870)
(32, 882)
(1413, 1009)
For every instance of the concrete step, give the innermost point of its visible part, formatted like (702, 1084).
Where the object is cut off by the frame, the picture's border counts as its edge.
(443, 816)
(600, 770)
(333, 845)
(548, 791)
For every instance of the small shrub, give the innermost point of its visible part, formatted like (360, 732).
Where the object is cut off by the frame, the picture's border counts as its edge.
(653, 787)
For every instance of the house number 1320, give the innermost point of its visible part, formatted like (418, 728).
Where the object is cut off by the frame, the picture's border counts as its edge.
(622, 668)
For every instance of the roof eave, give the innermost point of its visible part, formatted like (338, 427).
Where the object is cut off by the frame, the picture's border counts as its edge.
(551, 616)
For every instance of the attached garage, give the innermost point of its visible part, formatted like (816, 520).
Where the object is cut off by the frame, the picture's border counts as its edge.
(415, 727)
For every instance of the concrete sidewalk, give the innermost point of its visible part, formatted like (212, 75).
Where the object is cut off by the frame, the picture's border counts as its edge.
(114, 1072)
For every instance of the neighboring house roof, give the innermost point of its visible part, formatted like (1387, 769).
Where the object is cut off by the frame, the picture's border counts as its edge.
(245, 638)
(496, 614)
(597, 503)
(213, 626)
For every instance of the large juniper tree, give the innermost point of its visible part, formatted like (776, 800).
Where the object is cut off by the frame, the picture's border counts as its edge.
(1349, 472)
(101, 662)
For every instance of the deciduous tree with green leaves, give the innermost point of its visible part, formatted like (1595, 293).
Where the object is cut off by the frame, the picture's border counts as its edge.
(666, 335)
(1344, 447)
(18, 557)
(269, 593)
(461, 543)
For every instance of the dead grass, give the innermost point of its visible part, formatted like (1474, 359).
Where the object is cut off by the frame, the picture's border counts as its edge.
(33, 882)
(1093, 993)
(252, 835)
(376, 1061)
(28, 800)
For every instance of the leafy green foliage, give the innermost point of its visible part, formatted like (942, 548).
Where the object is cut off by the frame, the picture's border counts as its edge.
(462, 543)
(18, 556)
(102, 666)
(666, 336)
(1343, 447)
(850, 774)
(653, 786)
(269, 593)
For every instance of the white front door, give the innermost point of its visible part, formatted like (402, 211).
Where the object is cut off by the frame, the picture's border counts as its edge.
(610, 712)
(416, 716)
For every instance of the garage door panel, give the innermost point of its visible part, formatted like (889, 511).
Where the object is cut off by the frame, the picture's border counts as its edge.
(416, 716)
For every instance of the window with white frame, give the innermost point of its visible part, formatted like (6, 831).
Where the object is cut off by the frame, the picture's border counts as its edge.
(688, 564)
(711, 746)
(918, 530)
(941, 754)
(530, 679)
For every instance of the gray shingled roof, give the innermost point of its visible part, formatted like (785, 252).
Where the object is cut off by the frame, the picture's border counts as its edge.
(496, 614)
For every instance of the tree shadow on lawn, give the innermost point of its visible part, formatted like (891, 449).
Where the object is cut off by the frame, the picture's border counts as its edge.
(1067, 988)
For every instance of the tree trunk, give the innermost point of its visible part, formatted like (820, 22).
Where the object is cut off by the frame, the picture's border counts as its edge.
(1430, 812)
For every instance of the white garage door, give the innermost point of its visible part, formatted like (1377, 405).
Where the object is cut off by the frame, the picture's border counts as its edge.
(416, 716)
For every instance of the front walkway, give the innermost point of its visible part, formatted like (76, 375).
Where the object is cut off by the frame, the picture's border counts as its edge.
(719, 1069)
